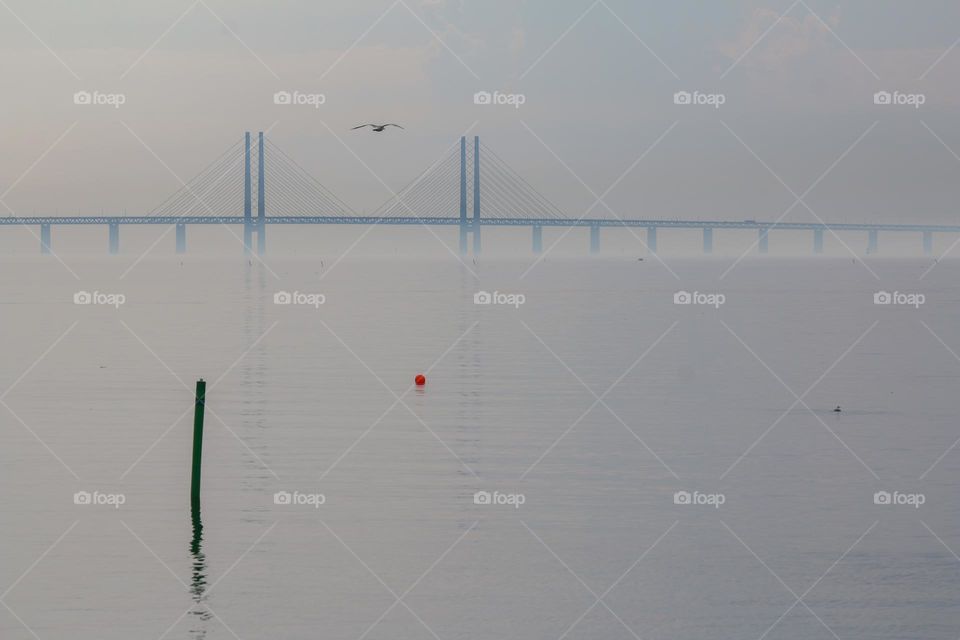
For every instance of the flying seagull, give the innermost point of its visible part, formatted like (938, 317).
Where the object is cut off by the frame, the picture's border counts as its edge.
(377, 127)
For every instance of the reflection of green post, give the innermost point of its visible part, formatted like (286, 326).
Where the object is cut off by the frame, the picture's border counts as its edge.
(197, 443)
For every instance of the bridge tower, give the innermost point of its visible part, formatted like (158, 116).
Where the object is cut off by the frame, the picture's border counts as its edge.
(470, 224)
(261, 202)
(247, 199)
(251, 226)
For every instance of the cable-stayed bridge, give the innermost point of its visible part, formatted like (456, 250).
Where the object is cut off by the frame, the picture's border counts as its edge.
(255, 184)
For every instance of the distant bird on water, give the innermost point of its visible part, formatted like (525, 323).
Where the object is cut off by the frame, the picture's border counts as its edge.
(377, 128)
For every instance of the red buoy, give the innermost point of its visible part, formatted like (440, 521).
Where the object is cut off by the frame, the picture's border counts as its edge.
(420, 380)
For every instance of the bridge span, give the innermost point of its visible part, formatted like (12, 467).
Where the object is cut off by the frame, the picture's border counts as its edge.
(222, 195)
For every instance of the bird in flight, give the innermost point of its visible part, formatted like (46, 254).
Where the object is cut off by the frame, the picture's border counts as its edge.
(377, 127)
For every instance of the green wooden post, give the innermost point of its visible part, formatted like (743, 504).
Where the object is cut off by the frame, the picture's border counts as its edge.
(197, 443)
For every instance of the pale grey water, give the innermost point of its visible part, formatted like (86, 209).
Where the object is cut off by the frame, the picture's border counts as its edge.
(599, 518)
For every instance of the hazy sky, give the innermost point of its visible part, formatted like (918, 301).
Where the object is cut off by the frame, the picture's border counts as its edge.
(797, 78)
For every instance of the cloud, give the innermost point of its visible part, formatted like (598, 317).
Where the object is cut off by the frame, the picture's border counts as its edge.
(789, 39)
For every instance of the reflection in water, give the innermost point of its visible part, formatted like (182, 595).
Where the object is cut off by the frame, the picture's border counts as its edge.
(198, 578)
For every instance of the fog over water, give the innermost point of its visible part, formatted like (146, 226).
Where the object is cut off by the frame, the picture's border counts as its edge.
(700, 423)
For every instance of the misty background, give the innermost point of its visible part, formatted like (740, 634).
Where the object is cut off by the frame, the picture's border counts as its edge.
(798, 92)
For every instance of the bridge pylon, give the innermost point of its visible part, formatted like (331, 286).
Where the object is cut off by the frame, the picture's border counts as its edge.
(470, 224)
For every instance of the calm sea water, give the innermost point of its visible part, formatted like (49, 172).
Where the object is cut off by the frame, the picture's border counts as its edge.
(581, 412)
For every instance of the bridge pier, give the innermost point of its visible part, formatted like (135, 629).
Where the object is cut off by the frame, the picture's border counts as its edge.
(708, 240)
(927, 242)
(181, 237)
(872, 241)
(537, 239)
(763, 245)
(45, 239)
(114, 238)
(652, 239)
(818, 241)
(594, 238)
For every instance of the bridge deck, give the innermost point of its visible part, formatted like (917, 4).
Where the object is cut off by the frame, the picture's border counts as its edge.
(494, 222)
